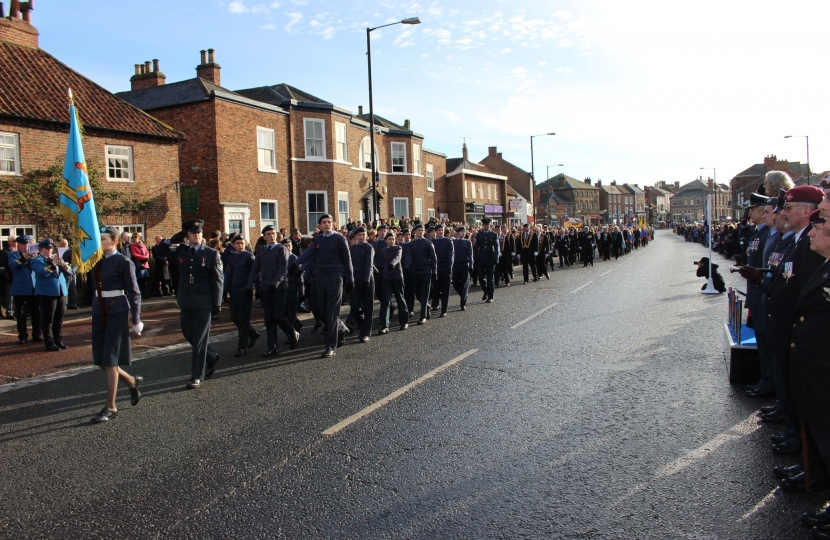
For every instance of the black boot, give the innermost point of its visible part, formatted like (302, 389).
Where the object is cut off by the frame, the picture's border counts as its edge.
(59, 343)
(50, 345)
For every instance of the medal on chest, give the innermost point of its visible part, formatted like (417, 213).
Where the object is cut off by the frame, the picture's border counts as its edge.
(788, 271)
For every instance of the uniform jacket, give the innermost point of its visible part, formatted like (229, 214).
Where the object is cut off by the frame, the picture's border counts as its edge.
(363, 259)
(586, 241)
(406, 256)
(331, 254)
(200, 278)
(544, 245)
(379, 245)
(782, 249)
(508, 245)
(270, 268)
(445, 252)
(424, 260)
(49, 281)
(23, 278)
(392, 256)
(755, 258)
(116, 273)
(563, 243)
(238, 269)
(809, 364)
(5, 270)
(528, 244)
(487, 247)
(295, 281)
(463, 254)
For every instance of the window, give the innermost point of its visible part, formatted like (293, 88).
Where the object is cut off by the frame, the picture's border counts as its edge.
(131, 228)
(398, 157)
(496, 192)
(465, 189)
(317, 205)
(489, 192)
(400, 206)
(315, 143)
(481, 191)
(16, 230)
(431, 179)
(416, 159)
(120, 163)
(365, 157)
(341, 148)
(236, 221)
(268, 214)
(342, 208)
(9, 154)
(266, 154)
(419, 208)
(430, 213)
(473, 187)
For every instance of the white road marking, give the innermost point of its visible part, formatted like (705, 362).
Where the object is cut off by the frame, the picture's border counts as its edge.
(606, 272)
(581, 287)
(394, 395)
(518, 324)
(767, 498)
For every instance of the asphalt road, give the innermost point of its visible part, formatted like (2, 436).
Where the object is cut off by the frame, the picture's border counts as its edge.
(607, 415)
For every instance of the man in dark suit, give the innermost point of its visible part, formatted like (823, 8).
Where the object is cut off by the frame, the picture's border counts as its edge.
(486, 257)
(462, 265)
(587, 242)
(755, 259)
(161, 266)
(199, 295)
(508, 249)
(529, 249)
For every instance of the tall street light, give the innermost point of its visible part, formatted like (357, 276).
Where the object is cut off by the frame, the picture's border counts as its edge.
(808, 153)
(375, 201)
(714, 177)
(548, 169)
(533, 172)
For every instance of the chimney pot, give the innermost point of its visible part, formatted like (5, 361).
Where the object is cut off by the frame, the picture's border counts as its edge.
(14, 9)
(210, 56)
(203, 53)
(2, 11)
(147, 67)
(492, 151)
(407, 125)
(155, 64)
(138, 69)
(360, 110)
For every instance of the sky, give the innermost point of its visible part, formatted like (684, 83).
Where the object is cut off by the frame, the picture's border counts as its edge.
(636, 91)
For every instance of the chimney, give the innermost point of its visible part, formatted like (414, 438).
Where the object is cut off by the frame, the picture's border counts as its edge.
(677, 185)
(613, 182)
(464, 152)
(360, 110)
(209, 70)
(2, 11)
(147, 76)
(16, 30)
(598, 184)
(588, 180)
(406, 125)
(711, 183)
(491, 151)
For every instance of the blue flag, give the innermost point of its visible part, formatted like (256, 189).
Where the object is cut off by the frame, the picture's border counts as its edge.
(77, 204)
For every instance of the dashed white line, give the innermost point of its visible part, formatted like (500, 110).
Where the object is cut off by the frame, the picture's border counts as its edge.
(518, 324)
(606, 272)
(581, 287)
(394, 395)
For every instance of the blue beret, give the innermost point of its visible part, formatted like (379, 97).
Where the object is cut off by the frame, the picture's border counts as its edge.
(418, 226)
(23, 239)
(268, 228)
(109, 229)
(460, 229)
(324, 216)
(359, 230)
(46, 242)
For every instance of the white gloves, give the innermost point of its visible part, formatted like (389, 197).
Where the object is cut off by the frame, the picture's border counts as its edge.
(137, 328)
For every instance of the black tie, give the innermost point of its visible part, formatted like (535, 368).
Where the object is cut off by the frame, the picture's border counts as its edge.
(192, 251)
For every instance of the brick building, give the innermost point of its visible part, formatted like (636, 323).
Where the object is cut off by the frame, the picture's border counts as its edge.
(472, 191)
(751, 179)
(520, 180)
(635, 204)
(611, 209)
(136, 154)
(688, 202)
(659, 200)
(580, 197)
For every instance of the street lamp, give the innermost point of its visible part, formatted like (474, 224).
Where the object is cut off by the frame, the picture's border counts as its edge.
(808, 153)
(714, 178)
(533, 172)
(549, 166)
(375, 202)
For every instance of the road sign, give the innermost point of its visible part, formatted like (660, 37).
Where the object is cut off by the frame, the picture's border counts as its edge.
(515, 204)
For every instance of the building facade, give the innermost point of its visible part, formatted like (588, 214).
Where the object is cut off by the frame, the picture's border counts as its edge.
(472, 192)
(751, 179)
(579, 199)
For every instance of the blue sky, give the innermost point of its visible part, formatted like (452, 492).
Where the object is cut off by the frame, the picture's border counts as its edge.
(636, 91)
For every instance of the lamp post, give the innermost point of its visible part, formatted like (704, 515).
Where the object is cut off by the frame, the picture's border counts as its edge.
(533, 172)
(808, 153)
(714, 178)
(375, 202)
(549, 166)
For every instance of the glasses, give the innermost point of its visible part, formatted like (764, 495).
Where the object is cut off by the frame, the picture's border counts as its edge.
(788, 207)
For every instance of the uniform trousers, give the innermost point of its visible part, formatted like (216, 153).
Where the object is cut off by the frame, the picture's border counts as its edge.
(504, 269)
(461, 283)
(820, 438)
(542, 265)
(274, 301)
(362, 298)
(329, 299)
(563, 258)
(292, 306)
(71, 287)
(767, 381)
(27, 306)
(409, 290)
(528, 261)
(196, 330)
(8, 305)
(241, 317)
(792, 434)
(421, 284)
(52, 309)
(486, 276)
(393, 287)
(441, 290)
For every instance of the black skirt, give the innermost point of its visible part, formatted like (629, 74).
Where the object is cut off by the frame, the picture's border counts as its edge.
(111, 340)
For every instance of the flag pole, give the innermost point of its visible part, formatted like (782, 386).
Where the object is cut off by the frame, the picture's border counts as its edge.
(710, 284)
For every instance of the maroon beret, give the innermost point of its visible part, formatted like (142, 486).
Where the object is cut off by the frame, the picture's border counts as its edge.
(804, 194)
(817, 216)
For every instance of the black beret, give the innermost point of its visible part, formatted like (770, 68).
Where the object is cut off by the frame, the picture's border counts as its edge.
(359, 230)
(236, 237)
(268, 228)
(418, 226)
(431, 229)
(485, 221)
(285, 241)
(460, 229)
(389, 235)
(405, 231)
(382, 226)
(324, 216)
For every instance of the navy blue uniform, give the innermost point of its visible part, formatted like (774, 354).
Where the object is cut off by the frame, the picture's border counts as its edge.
(463, 264)
(408, 280)
(271, 270)
(487, 255)
(237, 272)
(445, 253)
(362, 298)
(23, 293)
(424, 267)
(120, 296)
(392, 272)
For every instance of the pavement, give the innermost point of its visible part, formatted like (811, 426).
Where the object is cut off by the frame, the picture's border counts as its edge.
(593, 405)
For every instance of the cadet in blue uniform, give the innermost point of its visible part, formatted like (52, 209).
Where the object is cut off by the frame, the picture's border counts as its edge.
(406, 265)
(445, 254)
(330, 251)
(379, 245)
(294, 291)
(23, 291)
(50, 288)
(392, 271)
(237, 271)
(462, 265)
(424, 269)
(271, 268)
(487, 255)
(199, 296)
(115, 296)
(363, 296)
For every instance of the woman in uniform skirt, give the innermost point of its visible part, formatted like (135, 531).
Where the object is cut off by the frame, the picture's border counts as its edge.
(116, 308)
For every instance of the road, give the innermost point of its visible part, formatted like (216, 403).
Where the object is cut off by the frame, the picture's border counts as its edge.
(593, 405)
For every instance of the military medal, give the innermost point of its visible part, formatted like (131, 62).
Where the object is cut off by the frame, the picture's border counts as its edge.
(788, 271)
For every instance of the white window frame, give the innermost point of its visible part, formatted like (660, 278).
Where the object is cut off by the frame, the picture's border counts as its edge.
(431, 179)
(107, 148)
(481, 191)
(489, 192)
(473, 190)
(341, 146)
(419, 208)
(15, 153)
(343, 196)
(495, 193)
(430, 213)
(275, 221)
(130, 228)
(398, 148)
(268, 135)
(465, 189)
(365, 157)
(16, 230)
(313, 224)
(322, 123)
(416, 159)
(395, 207)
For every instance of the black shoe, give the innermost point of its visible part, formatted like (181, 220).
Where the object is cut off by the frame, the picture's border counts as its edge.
(194, 384)
(294, 342)
(483, 298)
(768, 409)
(59, 344)
(364, 339)
(22, 341)
(758, 393)
(37, 339)
(270, 352)
(328, 353)
(404, 326)
(239, 352)
(135, 395)
(341, 339)
(788, 472)
(211, 366)
(50, 346)
(816, 519)
(463, 308)
(773, 418)
(317, 326)
(777, 439)
(786, 449)
(383, 331)
(822, 532)
(797, 484)
(442, 315)
(489, 301)
(422, 321)
(104, 416)
(252, 337)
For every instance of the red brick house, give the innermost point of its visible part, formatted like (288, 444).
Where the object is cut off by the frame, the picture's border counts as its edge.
(519, 179)
(472, 191)
(137, 153)
(749, 180)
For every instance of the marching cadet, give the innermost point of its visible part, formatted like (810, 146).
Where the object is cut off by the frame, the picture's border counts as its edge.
(543, 253)
(486, 257)
(379, 245)
(424, 269)
(445, 254)
(462, 265)
(529, 250)
(617, 242)
(392, 271)
(604, 243)
(362, 298)
(333, 271)
(294, 291)
(237, 272)
(573, 240)
(586, 246)
(50, 287)
(116, 309)
(406, 264)
(199, 297)
(270, 270)
(504, 269)
(563, 247)
(755, 254)
(23, 291)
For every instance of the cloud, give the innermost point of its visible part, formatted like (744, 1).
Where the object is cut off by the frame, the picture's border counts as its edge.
(294, 18)
(565, 42)
(564, 15)
(328, 33)
(261, 9)
(274, 5)
(542, 63)
(449, 115)
(564, 70)
(518, 71)
(237, 7)
(268, 27)
(506, 51)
